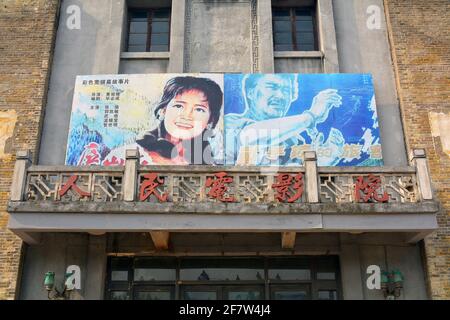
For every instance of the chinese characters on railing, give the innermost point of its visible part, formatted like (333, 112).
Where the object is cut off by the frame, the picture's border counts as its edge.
(369, 190)
(225, 187)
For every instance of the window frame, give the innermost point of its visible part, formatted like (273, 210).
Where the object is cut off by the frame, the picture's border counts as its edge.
(150, 14)
(316, 264)
(292, 17)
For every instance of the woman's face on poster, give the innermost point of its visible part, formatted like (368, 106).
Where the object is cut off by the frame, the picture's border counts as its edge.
(187, 115)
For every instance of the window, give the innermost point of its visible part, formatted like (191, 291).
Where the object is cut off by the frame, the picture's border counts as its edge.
(235, 278)
(148, 30)
(294, 29)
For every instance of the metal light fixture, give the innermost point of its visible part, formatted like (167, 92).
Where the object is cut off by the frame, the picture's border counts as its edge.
(392, 284)
(49, 280)
(52, 292)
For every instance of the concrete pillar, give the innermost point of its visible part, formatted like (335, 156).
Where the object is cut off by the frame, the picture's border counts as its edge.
(419, 160)
(312, 187)
(23, 161)
(130, 175)
(266, 59)
(176, 62)
(352, 285)
(96, 268)
(327, 36)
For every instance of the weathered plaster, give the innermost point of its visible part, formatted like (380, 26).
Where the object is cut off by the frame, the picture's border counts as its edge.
(8, 120)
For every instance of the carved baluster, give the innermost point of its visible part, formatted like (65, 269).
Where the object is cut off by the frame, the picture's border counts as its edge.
(130, 175)
(312, 187)
(419, 160)
(23, 161)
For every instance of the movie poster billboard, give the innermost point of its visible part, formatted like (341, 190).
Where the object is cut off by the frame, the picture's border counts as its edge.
(224, 119)
(272, 119)
(172, 119)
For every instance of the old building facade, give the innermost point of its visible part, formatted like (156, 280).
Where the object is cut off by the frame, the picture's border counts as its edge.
(317, 249)
(25, 71)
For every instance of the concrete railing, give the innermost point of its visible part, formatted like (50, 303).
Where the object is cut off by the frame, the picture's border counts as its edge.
(221, 184)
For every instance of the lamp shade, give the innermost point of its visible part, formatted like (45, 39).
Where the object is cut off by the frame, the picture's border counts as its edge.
(398, 277)
(49, 280)
(384, 277)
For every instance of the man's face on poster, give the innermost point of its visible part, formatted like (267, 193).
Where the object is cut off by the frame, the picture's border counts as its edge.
(271, 97)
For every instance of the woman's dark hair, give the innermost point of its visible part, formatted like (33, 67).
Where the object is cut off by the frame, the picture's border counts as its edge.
(155, 139)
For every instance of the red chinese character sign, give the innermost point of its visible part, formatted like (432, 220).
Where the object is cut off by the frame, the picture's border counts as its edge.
(282, 185)
(149, 187)
(218, 187)
(71, 185)
(368, 190)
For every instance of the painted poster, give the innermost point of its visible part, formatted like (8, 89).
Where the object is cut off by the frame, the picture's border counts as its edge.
(173, 119)
(271, 119)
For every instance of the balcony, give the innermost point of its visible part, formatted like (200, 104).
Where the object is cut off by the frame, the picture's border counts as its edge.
(163, 199)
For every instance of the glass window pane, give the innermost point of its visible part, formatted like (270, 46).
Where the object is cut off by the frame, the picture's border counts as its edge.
(164, 48)
(120, 263)
(119, 275)
(138, 27)
(291, 295)
(160, 39)
(160, 27)
(200, 295)
(153, 295)
(214, 274)
(244, 295)
(281, 14)
(280, 26)
(305, 15)
(138, 15)
(154, 274)
(305, 37)
(284, 47)
(304, 26)
(283, 38)
(326, 276)
(137, 48)
(289, 274)
(137, 39)
(327, 295)
(306, 47)
(163, 14)
(119, 295)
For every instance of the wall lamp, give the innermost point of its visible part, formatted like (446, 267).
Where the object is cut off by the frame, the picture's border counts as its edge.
(52, 291)
(392, 284)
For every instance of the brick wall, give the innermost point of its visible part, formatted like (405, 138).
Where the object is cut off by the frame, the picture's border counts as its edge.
(27, 29)
(420, 38)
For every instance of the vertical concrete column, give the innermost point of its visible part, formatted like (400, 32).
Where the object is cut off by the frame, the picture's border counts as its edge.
(312, 186)
(19, 179)
(177, 26)
(96, 268)
(130, 175)
(327, 36)
(419, 160)
(352, 280)
(266, 59)
(108, 19)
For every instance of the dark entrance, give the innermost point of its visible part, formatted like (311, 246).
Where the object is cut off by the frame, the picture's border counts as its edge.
(218, 278)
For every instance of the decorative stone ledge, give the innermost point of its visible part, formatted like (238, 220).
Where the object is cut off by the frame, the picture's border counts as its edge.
(144, 55)
(126, 207)
(298, 54)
